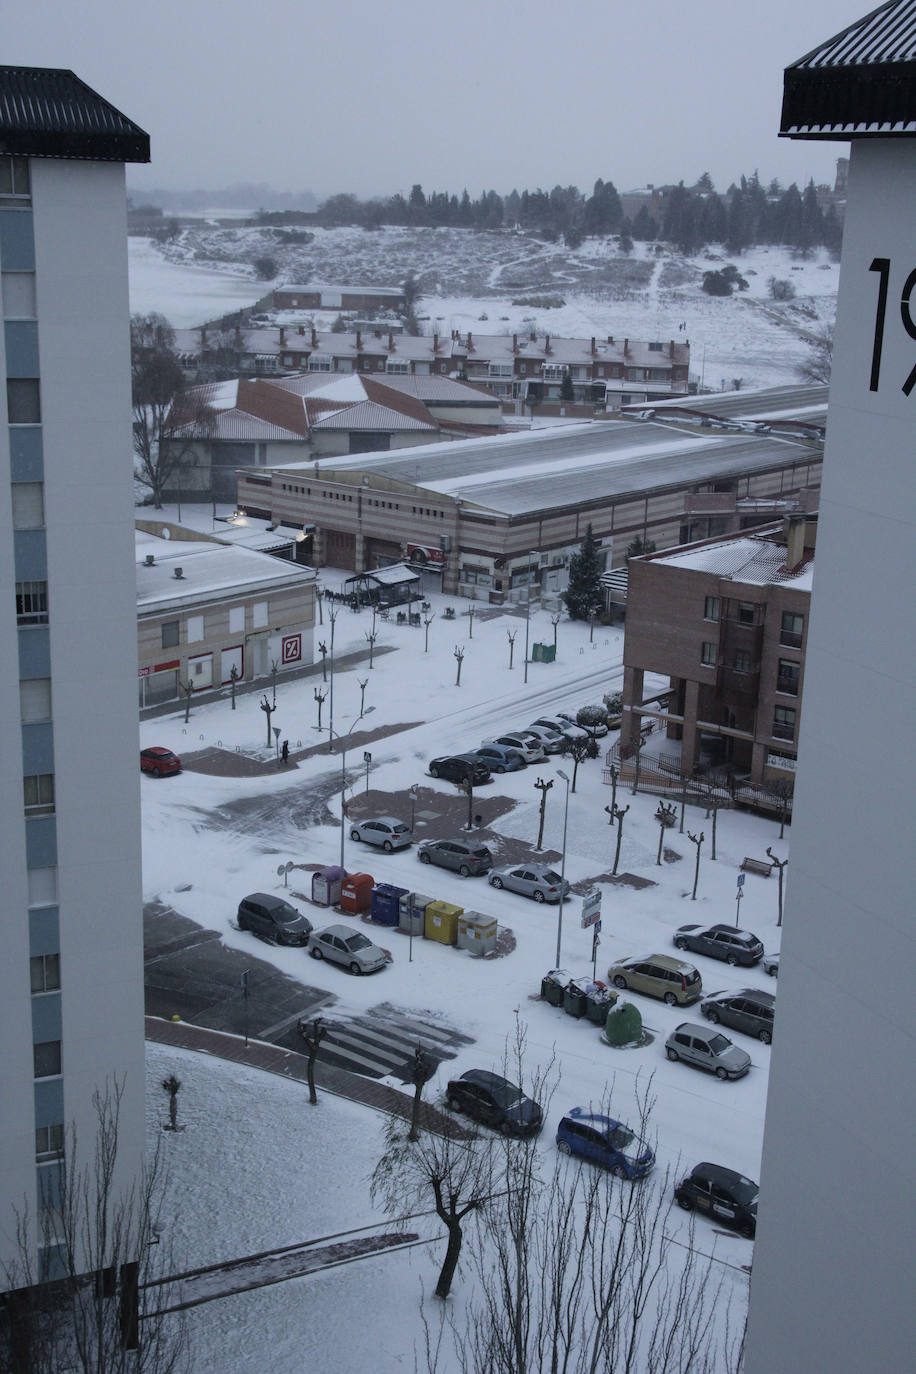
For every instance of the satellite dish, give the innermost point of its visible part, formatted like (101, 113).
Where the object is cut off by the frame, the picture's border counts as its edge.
(165, 532)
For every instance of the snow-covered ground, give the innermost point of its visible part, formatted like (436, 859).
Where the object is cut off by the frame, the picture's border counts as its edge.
(253, 1169)
(471, 281)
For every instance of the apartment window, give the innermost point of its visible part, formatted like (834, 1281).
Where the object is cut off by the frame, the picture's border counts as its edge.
(397, 365)
(787, 677)
(784, 722)
(500, 370)
(34, 699)
(791, 629)
(745, 612)
(170, 636)
(195, 628)
(49, 1142)
(42, 886)
(23, 400)
(28, 505)
(38, 789)
(236, 620)
(47, 1058)
(711, 608)
(708, 654)
(14, 179)
(319, 362)
(18, 290)
(742, 663)
(259, 615)
(31, 603)
(45, 970)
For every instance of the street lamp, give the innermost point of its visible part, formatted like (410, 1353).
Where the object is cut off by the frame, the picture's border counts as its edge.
(561, 774)
(343, 778)
(535, 556)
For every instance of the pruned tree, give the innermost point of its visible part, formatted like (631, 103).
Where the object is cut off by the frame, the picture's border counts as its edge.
(543, 787)
(167, 421)
(583, 595)
(99, 1226)
(172, 1086)
(459, 659)
(554, 621)
(780, 866)
(581, 747)
(371, 637)
(311, 1033)
(665, 815)
(422, 1068)
(268, 710)
(617, 815)
(511, 636)
(320, 698)
(698, 841)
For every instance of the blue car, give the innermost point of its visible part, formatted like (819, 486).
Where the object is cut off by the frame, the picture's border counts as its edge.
(500, 758)
(602, 1140)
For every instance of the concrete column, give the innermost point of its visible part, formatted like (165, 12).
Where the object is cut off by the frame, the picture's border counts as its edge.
(633, 680)
(689, 750)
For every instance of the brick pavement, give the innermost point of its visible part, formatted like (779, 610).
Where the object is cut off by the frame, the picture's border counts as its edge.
(287, 1064)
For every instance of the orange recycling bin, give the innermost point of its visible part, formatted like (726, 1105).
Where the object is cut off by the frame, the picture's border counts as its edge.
(442, 922)
(356, 893)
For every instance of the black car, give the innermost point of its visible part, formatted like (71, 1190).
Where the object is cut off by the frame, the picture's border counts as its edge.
(721, 942)
(273, 919)
(457, 768)
(722, 1194)
(748, 1010)
(494, 1101)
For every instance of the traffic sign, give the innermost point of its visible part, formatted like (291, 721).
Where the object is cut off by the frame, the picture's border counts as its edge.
(739, 894)
(591, 909)
(741, 878)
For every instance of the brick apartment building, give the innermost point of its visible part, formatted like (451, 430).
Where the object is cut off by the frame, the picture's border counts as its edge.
(725, 620)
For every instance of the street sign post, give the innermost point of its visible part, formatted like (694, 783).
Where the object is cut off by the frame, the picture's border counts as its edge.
(591, 909)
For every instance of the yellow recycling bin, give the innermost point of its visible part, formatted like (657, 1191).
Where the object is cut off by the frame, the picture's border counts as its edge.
(442, 922)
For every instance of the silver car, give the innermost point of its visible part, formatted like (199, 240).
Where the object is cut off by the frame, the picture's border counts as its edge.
(531, 750)
(341, 945)
(707, 1048)
(538, 881)
(386, 831)
(550, 740)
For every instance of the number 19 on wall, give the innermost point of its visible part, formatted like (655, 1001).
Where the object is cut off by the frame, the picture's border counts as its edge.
(883, 267)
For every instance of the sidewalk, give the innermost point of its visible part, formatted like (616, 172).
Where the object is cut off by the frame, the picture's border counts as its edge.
(271, 1059)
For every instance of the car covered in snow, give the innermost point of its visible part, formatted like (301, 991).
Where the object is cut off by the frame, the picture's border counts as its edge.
(704, 1047)
(540, 882)
(602, 1140)
(495, 1101)
(720, 942)
(385, 831)
(351, 948)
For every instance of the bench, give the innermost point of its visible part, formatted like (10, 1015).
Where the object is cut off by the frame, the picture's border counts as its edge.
(761, 866)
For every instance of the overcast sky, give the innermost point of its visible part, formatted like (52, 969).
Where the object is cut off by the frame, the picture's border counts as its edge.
(356, 95)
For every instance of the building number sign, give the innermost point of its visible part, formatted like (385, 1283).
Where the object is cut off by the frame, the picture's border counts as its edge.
(883, 267)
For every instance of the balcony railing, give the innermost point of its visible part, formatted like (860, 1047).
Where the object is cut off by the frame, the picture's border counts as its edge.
(787, 685)
(790, 639)
(783, 731)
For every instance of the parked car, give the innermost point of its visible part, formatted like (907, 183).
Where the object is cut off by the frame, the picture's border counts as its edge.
(457, 768)
(724, 1195)
(748, 1010)
(494, 1101)
(464, 856)
(538, 881)
(341, 945)
(566, 729)
(707, 1048)
(551, 741)
(531, 750)
(499, 758)
(720, 942)
(273, 918)
(591, 718)
(602, 1140)
(771, 964)
(158, 761)
(386, 831)
(658, 975)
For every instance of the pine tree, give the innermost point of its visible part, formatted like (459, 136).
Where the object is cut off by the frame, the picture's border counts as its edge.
(583, 595)
(566, 388)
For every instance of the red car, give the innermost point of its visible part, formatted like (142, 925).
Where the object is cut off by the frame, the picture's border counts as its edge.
(159, 762)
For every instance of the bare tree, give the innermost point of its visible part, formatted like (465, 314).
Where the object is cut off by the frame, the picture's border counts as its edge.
(320, 697)
(555, 620)
(312, 1033)
(617, 815)
(581, 747)
(167, 421)
(665, 815)
(371, 637)
(471, 609)
(779, 865)
(543, 787)
(459, 657)
(233, 679)
(268, 710)
(99, 1227)
(511, 635)
(427, 621)
(816, 367)
(172, 1086)
(421, 1071)
(698, 841)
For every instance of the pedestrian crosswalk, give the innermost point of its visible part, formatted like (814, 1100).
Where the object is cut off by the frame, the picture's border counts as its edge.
(382, 1042)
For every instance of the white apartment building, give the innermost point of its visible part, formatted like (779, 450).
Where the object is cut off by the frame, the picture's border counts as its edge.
(832, 1282)
(71, 974)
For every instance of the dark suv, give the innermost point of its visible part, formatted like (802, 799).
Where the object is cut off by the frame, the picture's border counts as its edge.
(273, 919)
(494, 1101)
(457, 767)
(748, 1010)
(724, 1195)
(720, 942)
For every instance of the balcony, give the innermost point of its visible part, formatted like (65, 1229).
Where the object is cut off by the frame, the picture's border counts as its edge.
(735, 685)
(787, 685)
(790, 640)
(783, 731)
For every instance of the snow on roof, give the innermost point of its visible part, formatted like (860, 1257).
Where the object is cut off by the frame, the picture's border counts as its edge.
(372, 415)
(388, 577)
(754, 560)
(208, 569)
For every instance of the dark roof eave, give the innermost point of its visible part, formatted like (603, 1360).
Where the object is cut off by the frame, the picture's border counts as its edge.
(841, 103)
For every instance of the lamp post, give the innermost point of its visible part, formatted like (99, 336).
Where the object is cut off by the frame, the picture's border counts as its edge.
(343, 777)
(528, 609)
(561, 774)
(332, 617)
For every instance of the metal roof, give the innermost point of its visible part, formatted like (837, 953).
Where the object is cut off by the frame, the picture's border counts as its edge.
(372, 416)
(517, 475)
(50, 112)
(804, 404)
(859, 84)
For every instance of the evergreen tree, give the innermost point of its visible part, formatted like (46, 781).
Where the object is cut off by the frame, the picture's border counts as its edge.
(583, 595)
(566, 388)
(644, 225)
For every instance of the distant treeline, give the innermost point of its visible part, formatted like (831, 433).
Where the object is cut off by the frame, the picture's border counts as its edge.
(687, 216)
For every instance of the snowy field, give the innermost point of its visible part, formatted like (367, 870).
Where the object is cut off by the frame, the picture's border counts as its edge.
(201, 861)
(470, 281)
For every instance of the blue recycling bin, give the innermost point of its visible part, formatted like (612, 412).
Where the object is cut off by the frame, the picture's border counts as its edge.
(385, 906)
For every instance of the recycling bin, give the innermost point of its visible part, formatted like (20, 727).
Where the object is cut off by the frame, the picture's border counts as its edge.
(385, 904)
(476, 932)
(442, 922)
(575, 998)
(598, 1002)
(412, 912)
(326, 885)
(553, 985)
(356, 893)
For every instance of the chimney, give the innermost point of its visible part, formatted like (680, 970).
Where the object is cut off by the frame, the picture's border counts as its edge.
(435, 344)
(203, 336)
(359, 341)
(178, 574)
(533, 337)
(626, 347)
(546, 343)
(390, 342)
(671, 349)
(238, 336)
(514, 343)
(610, 338)
(794, 531)
(594, 349)
(470, 343)
(282, 337)
(302, 329)
(314, 338)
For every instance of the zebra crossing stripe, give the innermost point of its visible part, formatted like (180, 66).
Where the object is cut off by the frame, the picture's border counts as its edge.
(334, 1047)
(421, 1028)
